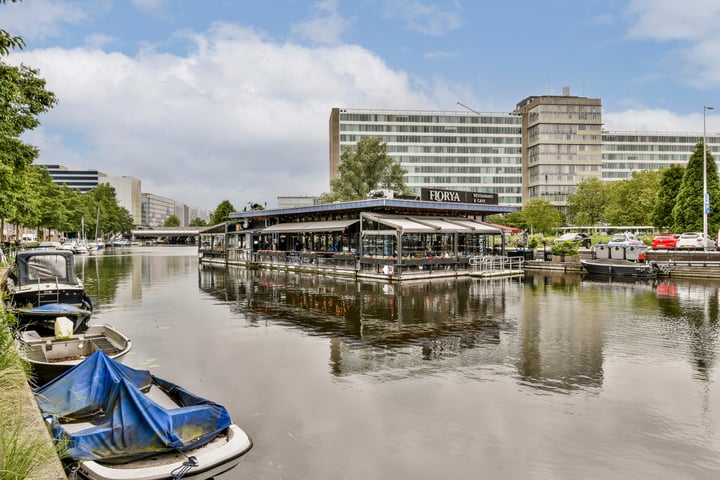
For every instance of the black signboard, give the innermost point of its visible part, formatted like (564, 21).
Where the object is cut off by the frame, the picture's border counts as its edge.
(456, 196)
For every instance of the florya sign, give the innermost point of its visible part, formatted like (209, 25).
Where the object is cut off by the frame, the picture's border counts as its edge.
(456, 196)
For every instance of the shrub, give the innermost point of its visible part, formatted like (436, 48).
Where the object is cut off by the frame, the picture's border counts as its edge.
(568, 248)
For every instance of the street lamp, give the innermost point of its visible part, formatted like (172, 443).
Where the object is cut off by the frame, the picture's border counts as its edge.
(706, 197)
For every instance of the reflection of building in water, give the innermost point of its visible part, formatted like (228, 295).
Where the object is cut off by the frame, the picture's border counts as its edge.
(424, 325)
(561, 343)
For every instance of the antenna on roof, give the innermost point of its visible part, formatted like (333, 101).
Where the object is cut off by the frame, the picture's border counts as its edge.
(471, 109)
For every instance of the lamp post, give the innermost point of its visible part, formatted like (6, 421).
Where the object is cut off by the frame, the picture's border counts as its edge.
(706, 197)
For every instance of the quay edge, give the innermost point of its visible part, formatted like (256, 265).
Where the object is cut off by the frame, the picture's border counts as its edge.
(33, 424)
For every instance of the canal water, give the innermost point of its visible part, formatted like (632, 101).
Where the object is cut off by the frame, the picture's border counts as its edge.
(543, 377)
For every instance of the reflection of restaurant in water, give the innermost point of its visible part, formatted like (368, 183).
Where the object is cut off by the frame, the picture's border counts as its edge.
(438, 234)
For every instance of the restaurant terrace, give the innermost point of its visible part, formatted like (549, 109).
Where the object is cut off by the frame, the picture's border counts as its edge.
(386, 238)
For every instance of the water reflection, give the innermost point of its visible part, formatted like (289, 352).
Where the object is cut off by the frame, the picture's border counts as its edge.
(552, 329)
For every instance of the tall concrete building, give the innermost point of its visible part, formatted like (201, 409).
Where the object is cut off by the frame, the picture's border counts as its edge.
(475, 152)
(562, 145)
(128, 194)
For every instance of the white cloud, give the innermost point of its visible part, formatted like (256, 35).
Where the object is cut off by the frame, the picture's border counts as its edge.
(238, 118)
(325, 27)
(658, 120)
(690, 27)
(41, 19)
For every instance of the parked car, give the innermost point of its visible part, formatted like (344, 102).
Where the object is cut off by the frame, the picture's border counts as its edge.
(626, 239)
(581, 239)
(664, 240)
(695, 240)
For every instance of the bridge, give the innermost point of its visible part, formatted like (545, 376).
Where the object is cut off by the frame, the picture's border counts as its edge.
(172, 234)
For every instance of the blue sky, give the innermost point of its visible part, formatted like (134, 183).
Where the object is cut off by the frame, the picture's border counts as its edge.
(230, 100)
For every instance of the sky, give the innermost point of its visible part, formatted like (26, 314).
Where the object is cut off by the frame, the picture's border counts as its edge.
(206, 101)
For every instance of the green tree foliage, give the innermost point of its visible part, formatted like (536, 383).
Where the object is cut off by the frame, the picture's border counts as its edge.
(542, 216)
(172, 221)
(688, 210)
(222, 212)
(631, 201)
(23, 98)
(670, 181)
(512, 219)
(101, 202)
(197, 222)
(365, 167)
(587, 205)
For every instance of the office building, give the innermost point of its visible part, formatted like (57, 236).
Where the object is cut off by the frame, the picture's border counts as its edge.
(541, 150)
(156, 209)
(81, 180)
(468, 151)
(562, 145)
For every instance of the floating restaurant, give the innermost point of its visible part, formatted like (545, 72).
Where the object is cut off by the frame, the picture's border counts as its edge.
(439, 233)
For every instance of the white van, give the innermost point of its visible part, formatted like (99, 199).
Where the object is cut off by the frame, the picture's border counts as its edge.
(28, 237)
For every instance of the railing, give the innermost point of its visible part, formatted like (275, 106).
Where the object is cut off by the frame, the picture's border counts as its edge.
(494, 263)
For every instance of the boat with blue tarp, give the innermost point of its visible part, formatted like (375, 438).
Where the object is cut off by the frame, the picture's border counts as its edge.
(123, 423)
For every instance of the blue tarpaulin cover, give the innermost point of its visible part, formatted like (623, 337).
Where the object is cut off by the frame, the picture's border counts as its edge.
(126, 424)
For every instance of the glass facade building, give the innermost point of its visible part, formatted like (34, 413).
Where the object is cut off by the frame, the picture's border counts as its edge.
(473, 152)
(542, 150)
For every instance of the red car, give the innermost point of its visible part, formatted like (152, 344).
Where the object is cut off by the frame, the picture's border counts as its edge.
(664, 240)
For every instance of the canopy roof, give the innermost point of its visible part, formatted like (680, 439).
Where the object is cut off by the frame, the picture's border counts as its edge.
(328, 226)
(416, 224)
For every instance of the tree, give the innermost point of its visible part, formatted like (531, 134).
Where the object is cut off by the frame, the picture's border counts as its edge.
(670, 181)
(542, 216)
(197, 222)
(172, 221)
(587, 205)
(512, 219)
(23, 98)
(365, 167)
(222, 212)
(640, 191)
(688, 209)
(102, 213)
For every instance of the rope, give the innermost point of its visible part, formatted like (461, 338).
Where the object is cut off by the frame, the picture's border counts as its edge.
(180, 472)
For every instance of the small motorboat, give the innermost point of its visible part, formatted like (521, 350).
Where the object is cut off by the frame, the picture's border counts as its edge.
(121, 423)
(51, 356)
(616, 266)
(41, 285)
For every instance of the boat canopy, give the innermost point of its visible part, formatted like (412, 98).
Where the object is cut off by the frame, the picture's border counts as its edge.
(124, 423)
(45, 265)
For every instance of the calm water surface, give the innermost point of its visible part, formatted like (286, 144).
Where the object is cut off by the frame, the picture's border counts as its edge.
(545, 377)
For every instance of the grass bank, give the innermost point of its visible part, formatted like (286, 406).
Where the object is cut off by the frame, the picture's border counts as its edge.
(26, 449)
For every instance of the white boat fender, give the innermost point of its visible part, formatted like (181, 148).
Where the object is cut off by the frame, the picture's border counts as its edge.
(63, 328)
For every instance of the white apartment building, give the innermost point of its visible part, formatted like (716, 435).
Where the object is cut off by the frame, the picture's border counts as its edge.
(128, 194)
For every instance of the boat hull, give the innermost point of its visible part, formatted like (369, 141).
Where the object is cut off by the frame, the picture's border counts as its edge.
(214, 458)
(50, 357)
(618, 267)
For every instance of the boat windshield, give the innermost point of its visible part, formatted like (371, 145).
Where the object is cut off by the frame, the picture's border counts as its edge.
(46, 268)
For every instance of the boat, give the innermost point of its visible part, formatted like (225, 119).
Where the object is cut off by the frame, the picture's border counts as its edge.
(122, 423)
(617, 266)
(51, 356)
(41, 285)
